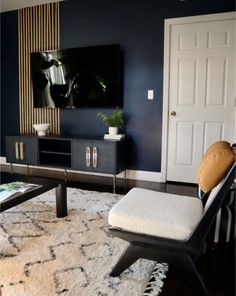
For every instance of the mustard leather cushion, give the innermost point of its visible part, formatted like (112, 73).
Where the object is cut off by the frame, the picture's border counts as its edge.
(214, 165)
(217, 145)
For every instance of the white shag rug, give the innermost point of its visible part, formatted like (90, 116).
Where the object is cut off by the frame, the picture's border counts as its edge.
(41, 255)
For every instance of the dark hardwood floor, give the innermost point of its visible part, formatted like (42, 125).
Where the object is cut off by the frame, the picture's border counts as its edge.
(217, 268)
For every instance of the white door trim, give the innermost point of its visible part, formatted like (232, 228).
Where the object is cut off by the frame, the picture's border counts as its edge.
(168, 24)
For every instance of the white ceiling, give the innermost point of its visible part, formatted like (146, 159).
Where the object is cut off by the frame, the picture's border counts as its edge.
(7, 5)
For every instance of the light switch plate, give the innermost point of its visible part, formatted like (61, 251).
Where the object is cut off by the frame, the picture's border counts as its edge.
(150, 95)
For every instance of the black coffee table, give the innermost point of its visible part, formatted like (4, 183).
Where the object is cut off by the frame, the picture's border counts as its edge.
(46, 185)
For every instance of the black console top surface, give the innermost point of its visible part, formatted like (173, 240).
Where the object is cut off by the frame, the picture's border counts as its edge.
(66, 137)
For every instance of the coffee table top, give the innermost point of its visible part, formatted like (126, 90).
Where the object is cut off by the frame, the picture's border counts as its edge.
(7, 178)
(46, 185)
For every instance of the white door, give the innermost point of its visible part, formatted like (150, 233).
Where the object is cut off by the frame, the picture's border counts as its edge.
(201, 94)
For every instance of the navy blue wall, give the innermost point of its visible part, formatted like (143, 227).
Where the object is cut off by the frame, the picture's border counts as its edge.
(138, 26)
(9, 76)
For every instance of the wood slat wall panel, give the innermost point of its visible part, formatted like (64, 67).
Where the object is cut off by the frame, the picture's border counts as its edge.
(38, 30)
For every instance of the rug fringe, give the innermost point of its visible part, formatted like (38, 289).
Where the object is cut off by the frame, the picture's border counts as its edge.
(155, 282)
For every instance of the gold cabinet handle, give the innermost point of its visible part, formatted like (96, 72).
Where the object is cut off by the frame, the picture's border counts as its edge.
(88, 156)
(17, 152)
(22, 152)
(95, 157)
(173, 113)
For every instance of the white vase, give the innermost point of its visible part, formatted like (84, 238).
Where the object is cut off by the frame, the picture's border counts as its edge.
(41, 128)
(113, 130)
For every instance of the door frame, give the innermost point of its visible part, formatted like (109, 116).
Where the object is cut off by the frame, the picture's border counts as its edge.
(166, 74)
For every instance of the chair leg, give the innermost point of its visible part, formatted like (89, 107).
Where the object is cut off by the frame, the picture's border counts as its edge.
(199, 278)
(130, 255)
(193, 276)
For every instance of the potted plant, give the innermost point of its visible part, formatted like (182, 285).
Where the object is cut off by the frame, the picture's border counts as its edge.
(114, 121)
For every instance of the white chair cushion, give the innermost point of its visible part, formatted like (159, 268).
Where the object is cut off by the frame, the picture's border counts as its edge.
(156, 213)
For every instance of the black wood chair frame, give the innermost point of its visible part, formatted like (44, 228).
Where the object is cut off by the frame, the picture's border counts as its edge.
(175, 252)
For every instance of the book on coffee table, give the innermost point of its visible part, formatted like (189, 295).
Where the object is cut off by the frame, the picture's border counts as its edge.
(14, 189)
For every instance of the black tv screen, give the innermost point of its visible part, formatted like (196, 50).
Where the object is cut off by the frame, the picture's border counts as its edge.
(77, 77)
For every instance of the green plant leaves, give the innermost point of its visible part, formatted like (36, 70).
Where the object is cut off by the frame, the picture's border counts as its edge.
(116, 118)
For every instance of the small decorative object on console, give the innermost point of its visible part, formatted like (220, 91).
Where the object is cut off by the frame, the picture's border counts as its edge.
(113, 130)
(114, 121)
(41, 128)
(117, 137)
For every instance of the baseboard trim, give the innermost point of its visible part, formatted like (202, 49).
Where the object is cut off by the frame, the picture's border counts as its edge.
(144, 176)
(130, 174)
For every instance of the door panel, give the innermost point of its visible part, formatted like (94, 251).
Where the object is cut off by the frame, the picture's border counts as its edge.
(94, 156)
(27, 149)
(105, 156)
(213, 131)
(187, 82)
(218, 38)
(188, 41)
(201, 94)
(184, 152)
(216, 81)
(81, 155)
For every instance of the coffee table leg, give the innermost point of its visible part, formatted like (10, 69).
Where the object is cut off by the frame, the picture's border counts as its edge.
(61, 200)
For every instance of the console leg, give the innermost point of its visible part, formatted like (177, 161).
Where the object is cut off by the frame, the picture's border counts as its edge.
(28, 170)
(11, 167)
(65, 176)
(61, 200)
(125, 181)
(114, 183)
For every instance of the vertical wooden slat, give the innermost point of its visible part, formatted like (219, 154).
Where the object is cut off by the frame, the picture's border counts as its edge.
(19, 61)
(50, 41)
(23, 70)
(38, 30)
(57, 113)
(32, 50)
(58, 25)
(47, 21)
(21, 73)
(52, 26)
(35, 38)
(44, 43)
(27, 57)
(28, 68)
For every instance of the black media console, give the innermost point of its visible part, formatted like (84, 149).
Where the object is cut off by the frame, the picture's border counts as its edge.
(90, 154)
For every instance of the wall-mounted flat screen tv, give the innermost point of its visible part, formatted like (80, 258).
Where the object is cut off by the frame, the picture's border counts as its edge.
(78, 77)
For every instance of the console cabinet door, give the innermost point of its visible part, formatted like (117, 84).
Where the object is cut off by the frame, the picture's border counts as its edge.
(93, 156)
(20, 149)
(104, 157)
(81, 155)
